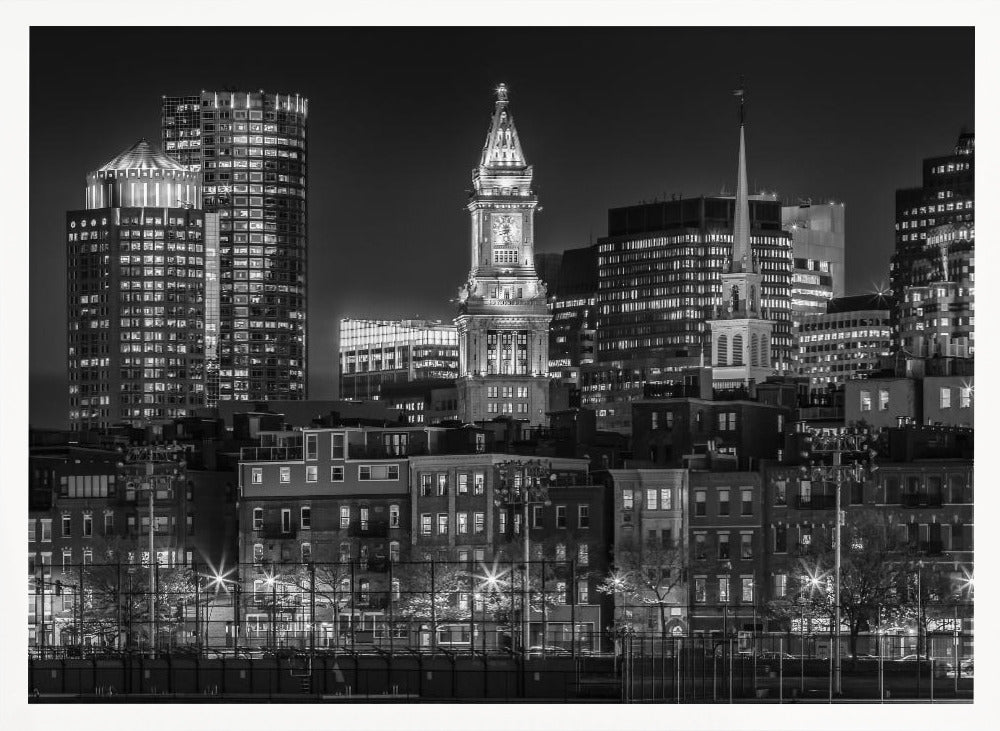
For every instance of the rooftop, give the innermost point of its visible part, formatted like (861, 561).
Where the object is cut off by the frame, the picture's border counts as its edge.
(142, 156)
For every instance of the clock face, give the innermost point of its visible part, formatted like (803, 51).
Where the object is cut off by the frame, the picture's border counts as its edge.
(506, 228)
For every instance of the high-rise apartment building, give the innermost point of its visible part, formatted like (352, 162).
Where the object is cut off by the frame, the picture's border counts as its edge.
(374, 353)
(136, 271)
(503, 319)
(946, 196)
(250, 148)
(844, 342)
(817, 231)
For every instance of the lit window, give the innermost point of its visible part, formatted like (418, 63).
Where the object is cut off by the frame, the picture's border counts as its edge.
(699, 589)
(945, 397)
(651, 499)
(442, 524)
(583, 554)
(425, 524)
(883, 399)
(312, 473)
(479, 522)
(626, 499)
(780, 585)
(665, 498)
(393, 516)
(723, 589)
(285, 474)
(257, 475)
(866, 400)
(746, 589)
(965, 397)
(462, 523)
(345, 516)
(478, 484)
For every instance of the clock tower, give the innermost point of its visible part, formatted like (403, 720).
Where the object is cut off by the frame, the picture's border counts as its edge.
(503, 319)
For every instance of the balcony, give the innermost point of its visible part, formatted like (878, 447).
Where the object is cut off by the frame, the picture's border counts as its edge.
(920, 500)
(815, 502)
(270, 454)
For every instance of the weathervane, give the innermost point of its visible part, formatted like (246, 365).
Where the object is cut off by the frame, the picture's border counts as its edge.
(741, 93)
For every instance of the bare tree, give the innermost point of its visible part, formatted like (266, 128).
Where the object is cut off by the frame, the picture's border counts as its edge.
(876, 566)
(653, 576)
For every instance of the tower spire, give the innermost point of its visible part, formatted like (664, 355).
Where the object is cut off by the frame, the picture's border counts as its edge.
(502, 148)
(742, 255)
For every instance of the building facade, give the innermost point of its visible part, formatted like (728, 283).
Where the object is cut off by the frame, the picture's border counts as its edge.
(817, 231)
(250, 148)
(846, 341)
(136, 272)
(727, 551)
(377, 352)
(649, 517)
(946, 196)
(503, 318)
(938, 315)
(573, 303)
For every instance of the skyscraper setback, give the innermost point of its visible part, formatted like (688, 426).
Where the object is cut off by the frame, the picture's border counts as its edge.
(136, 292)
(250, 148)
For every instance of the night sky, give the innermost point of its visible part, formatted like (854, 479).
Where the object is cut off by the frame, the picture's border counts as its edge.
(397, 119)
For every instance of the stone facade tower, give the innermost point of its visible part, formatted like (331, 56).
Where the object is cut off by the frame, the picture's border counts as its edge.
(503, 321)
(741, 334)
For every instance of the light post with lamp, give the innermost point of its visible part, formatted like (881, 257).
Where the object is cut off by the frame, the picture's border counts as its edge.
(521, 484)
(826, 453)
(152, 468)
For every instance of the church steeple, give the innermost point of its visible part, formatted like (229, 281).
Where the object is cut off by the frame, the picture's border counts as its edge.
(741, 336)
(742, 255)
(502, 148)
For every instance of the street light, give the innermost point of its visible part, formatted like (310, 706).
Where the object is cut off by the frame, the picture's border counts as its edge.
(521, 485)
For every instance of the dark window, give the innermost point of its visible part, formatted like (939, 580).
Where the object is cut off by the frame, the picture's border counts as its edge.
(780, 538)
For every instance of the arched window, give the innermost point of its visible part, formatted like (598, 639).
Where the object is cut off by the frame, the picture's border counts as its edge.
(737, 350)
(753, 350)
(722, 351)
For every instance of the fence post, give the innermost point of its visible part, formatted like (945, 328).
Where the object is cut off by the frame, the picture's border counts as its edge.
(781, 670)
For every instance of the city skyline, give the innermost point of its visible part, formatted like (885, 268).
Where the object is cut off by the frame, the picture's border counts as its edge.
(438, 108)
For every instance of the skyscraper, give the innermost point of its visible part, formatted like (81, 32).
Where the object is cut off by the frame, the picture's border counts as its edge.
(817, 231)
(250, 147)
(136, 292)
(503, 320)
(946, 196)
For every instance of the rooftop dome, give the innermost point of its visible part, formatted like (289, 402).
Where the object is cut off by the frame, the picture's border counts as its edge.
(142, 156)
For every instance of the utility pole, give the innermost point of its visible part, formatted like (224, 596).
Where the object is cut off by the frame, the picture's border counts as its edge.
(148, 467)
(825, 453)
(521, 485)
